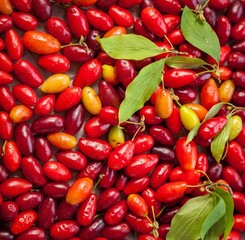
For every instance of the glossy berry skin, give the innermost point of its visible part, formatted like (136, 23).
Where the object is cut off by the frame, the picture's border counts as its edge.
(84, 3)
(99, 19)
(239, 222)
(74, 119)
(56, 171)
(186, 153)
(143, 143)
(93, 230)
(88, 73)
(14, 45)
(42, 149)
(164, 103)
(235, 155)
(6, 64)
(48, 124)
(40, 42)
(33, 171)
(162, 135)
(150, 115)
(20, 113)
(8, 211)
(160, 175)
(25, 94)
(71, 95)
(239, 201)
(47, 213)
(42, 9)
(64, 229)
(87, 210)
(119, 230)
(108, 95)
(77, 22)
(91, 170)
(24, 138)
(136, 185)
(6, 131)
(79, 191)
(95, 127)
(27, 73)
(107, 199)
(212, 127)
(116, 213)
(170, 192)
(121, 16)
(32, 233)
(223, 29)
(121, 155)
(140, 29)
(125, 71)
(236, 61)
(209, 94)
(109, 177)
(154, 22)
(233, 178)
(45, 105)
(24, 21)
(54, 63)
(72, 159)
(173, 122)
(138, 224)
(97, 149)
(58, 29)
(137, 205)
(126, 4)
(6, 23)
(23, 221)
(54, 189)
(166, 6)
(141, 165)
(178, 77)
(29, 200)
(22, 5)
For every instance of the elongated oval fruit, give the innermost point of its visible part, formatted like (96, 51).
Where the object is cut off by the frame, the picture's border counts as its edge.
(175, 78)
(62, 140)
(164, 103)
(210, 128)
(40, 42)
(189, 118)
(236, 127)
(79, 191)
(91, 100)
(56, 83)
(170, 192)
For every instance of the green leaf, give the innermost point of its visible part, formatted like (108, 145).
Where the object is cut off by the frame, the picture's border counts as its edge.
(213, 110)
(129, 46)
(216, 230)
(200, 34)
(214, 216)
(195, 218)
(192, 133)
(140, 89)
(185, 62)
(218, 143)
(229, 204)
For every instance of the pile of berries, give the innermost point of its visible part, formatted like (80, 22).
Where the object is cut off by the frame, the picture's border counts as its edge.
(68, 170)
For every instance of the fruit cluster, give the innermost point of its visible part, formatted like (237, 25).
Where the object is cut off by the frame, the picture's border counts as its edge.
(69, 167)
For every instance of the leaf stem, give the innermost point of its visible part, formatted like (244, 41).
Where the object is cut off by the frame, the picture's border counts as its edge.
(205, 174)
(175, 98)
(141, 126)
